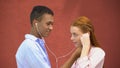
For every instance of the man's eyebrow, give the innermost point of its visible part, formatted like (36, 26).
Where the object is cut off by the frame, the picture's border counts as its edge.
(50, 22)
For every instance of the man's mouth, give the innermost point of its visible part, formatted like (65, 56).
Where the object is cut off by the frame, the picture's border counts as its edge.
(48, 31)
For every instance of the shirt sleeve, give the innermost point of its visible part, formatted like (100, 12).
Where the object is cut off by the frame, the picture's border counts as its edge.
(96, 59)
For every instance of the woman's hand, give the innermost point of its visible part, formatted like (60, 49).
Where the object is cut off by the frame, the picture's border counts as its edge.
(85, 40)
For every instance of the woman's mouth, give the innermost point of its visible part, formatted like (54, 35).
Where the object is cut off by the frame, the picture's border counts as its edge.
(75, 43)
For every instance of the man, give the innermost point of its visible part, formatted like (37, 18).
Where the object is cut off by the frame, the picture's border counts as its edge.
(32, 52)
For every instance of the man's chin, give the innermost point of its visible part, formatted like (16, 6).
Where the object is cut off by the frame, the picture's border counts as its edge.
(46, 35)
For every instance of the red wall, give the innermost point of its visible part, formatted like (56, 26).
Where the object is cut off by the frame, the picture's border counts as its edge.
(14, 23)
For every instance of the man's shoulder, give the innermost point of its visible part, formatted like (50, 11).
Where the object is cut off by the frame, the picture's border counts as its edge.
(27, 43)
(26, 46)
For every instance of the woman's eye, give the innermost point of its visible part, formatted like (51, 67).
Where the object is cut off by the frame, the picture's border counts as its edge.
(75, 35)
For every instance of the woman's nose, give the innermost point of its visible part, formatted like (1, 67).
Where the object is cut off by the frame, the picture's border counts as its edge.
(71, 38)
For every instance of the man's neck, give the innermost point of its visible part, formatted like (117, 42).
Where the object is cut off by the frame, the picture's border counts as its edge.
(33, 32)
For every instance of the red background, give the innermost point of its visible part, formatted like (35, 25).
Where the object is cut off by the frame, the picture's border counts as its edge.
(14, 23)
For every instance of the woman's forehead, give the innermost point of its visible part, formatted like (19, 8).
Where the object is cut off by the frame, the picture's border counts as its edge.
(75, 29)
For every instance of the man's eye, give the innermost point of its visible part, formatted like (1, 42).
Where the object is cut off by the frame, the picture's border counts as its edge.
(49, 23)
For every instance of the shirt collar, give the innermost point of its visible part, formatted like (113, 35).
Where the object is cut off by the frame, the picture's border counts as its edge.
(32, 37)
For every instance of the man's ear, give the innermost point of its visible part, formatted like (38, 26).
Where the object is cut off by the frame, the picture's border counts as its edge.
(34, 22)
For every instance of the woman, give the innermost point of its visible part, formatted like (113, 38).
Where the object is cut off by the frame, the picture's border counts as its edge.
(88, 53)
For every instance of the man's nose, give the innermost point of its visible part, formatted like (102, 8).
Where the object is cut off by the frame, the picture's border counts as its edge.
(51, 27)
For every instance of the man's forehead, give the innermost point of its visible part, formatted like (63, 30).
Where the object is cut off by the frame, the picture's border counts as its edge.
(48, 17)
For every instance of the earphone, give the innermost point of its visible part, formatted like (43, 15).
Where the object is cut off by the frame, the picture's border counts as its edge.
(56, 58)
(38, 29)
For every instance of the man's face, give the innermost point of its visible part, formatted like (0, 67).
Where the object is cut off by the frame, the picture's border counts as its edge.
(45, 25)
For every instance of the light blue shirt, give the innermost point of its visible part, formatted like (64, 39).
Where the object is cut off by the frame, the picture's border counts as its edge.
(32, 53)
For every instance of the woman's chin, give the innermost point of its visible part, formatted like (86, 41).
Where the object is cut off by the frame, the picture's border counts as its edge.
(76, 45)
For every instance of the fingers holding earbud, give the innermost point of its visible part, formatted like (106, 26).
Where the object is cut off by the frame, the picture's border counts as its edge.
(85, 39)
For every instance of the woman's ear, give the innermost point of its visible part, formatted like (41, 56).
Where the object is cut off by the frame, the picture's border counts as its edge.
(88, 33)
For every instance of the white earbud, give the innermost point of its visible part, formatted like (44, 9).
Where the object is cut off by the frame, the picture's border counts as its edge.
(36, 24)
(38, 29)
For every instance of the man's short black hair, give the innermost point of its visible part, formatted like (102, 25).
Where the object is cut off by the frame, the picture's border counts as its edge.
(38, 11)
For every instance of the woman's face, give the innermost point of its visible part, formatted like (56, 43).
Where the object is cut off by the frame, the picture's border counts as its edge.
(76, 33)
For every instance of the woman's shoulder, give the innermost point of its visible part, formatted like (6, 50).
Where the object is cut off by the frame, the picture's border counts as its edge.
(97, 50)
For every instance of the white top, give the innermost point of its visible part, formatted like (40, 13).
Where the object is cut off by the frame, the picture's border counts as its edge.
(95, 59)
